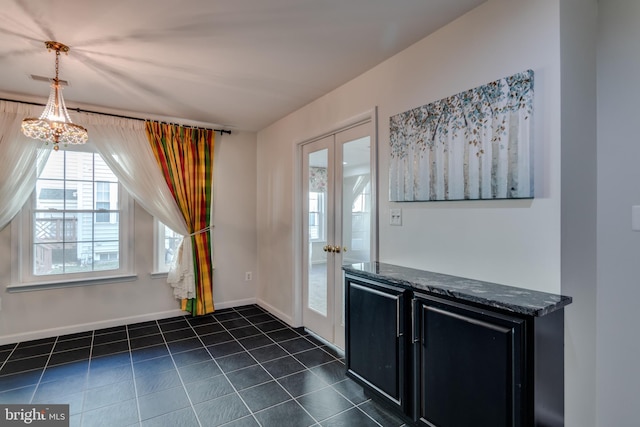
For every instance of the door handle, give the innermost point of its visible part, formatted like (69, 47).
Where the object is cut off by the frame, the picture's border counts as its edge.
(334, 249)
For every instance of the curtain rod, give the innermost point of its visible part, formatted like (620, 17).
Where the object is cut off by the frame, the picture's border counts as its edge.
(81, 110)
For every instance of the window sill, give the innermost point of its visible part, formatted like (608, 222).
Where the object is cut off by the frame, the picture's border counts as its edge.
(51, 284)
(158, 274)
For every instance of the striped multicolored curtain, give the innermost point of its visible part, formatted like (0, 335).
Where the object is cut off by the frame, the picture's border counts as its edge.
(185, 156)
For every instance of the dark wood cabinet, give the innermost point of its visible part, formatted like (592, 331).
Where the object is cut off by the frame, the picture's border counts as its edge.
(375, 333)
(470, 365)
(453, 352)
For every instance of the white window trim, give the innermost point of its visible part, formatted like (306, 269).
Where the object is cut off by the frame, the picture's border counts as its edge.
(158, 239)
(22, 278)
(157, 273)
(38, 286)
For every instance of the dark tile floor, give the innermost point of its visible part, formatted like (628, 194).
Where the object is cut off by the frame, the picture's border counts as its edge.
(238, 367)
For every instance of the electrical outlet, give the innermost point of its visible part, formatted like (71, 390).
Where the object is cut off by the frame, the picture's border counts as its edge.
(248, 276)
(395, 216)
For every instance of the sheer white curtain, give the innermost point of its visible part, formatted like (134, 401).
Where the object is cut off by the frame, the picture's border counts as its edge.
(21, 159)
(125, 148)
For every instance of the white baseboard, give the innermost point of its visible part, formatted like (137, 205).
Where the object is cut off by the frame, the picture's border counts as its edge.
(280, 315)
(90, 326)
(236, 303)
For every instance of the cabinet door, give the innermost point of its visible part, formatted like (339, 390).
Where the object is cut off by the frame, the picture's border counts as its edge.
(470, 364)
(375, 339)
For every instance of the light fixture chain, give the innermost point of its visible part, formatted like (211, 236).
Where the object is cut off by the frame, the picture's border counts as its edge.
(57, 63)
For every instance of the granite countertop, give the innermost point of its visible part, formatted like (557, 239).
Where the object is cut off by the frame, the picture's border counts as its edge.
(517, 300)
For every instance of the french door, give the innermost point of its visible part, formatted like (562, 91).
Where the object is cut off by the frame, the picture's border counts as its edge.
(338, 223)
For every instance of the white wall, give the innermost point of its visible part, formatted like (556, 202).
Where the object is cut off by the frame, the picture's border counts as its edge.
(511, 242)
(36, 314)
(234, 216)
(517, 243)
(618, 352)
(578, 31)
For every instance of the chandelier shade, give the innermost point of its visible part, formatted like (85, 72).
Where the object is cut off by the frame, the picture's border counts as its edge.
(54, 124)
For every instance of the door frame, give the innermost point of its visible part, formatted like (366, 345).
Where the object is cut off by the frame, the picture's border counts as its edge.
(364, 117)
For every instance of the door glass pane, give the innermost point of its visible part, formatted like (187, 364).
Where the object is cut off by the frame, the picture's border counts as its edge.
(356, 201)
(317, 199)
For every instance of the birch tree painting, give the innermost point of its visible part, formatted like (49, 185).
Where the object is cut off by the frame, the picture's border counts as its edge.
(473, 145)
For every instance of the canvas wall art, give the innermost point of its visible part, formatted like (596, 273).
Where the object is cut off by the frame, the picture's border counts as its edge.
(469, 146)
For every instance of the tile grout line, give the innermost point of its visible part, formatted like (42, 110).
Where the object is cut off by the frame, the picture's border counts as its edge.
(133, 374)
(15, 346)
(331, 386)
(221, 370)
(86, 380)
(367, 414)
(44, 368)
(289, 353)
(269, 373)
(184, 387)
(259, 364)
(328, 386)
(355, 405)
(316, 344)
(251, 412)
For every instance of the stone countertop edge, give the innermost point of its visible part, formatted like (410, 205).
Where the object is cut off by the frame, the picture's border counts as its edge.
(517, 300)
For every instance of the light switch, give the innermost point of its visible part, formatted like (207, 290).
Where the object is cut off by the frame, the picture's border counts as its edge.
(635, 218)
(395, 216)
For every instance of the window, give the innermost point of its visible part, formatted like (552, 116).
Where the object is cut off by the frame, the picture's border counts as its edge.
(76, 224)
(102, 201)
(361, 220)
(316, 216)
(167, 242)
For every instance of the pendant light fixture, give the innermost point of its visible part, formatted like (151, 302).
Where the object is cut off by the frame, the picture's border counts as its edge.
(54, 125)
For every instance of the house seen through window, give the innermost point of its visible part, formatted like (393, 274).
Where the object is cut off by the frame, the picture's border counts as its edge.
(75, 216)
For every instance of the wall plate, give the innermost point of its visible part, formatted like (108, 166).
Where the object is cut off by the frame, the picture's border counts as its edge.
(395, 216)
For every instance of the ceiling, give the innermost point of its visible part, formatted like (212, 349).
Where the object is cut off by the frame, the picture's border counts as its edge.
(238, 64)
